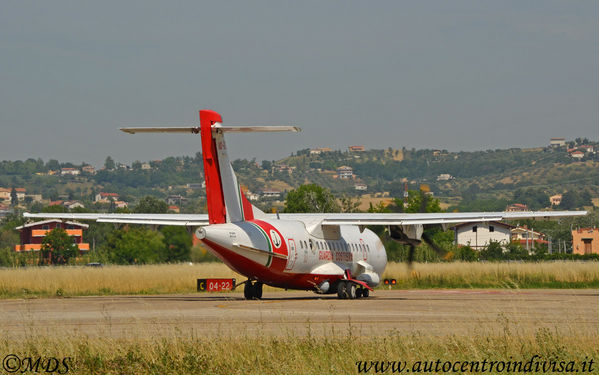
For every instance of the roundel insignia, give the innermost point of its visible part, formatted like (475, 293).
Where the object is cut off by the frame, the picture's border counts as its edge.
(276, 239)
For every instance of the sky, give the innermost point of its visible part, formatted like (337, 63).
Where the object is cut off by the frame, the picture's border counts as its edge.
(455, 75)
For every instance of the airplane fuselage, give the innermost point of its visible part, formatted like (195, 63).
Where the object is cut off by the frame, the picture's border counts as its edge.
(285, 254)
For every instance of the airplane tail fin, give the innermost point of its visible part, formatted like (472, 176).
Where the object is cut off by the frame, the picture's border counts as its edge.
(226, 201)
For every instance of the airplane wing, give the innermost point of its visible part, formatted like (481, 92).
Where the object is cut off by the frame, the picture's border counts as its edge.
(317, 218)
(191, 220)
(419, 218)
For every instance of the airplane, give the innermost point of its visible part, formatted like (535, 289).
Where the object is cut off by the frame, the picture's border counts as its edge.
(326, 253)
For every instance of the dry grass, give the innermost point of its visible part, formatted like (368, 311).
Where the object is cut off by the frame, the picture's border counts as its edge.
(333, 354)
(561, 274)
(180, 278)
(148, 279)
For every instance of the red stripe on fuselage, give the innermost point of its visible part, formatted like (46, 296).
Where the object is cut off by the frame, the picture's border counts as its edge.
(214, 191)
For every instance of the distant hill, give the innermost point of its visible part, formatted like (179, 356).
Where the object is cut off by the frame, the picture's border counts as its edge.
(491, 174)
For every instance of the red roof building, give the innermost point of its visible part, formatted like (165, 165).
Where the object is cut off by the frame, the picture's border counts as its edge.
(33, 234)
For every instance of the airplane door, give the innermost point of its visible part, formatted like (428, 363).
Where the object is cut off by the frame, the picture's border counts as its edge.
(291, 254)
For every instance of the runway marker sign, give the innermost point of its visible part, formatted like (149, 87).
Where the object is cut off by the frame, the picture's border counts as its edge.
(215, 285)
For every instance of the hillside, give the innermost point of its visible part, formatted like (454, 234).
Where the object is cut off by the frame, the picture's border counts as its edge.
(452, 176)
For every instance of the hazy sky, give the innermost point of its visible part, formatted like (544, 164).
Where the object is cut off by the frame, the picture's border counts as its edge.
(457, 75)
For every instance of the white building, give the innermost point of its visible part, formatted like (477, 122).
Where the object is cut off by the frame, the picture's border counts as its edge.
(361, 187)
(444, 177)
(479, 235)
(557, 142)
(345, 172)
(270, 194)
(70, 171)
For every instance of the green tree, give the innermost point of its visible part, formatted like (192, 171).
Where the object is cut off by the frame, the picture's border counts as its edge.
(178, 243)
(109, 164)
(419, 201)
(14, 198)
(135, 246)
(54, 209)
(151, 205)
(348, 204)
(311, 198)
(493, 251)
(58, 247)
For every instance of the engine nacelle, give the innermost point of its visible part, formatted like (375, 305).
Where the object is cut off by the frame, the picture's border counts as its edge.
(370, 278)
(324, 287)
(406, 234)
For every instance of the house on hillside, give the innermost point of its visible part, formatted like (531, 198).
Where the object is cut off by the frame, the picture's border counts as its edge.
(345, 173)
(88, 169)
(70, 172)
(5, 195)
(444, 177)
(557, 142)
(360, 187)
(106, 197)
(32, 234)
(318, 151)
(577, 154)
(585, 241)
(556, 199)
(517, 207)
(270, 194)
(527, 237)
(479, 235)
(356, 148)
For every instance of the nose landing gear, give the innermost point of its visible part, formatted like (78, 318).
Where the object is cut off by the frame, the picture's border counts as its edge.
(252, 290)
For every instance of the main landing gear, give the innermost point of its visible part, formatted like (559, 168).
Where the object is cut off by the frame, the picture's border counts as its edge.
(252, 290)
(348, 290)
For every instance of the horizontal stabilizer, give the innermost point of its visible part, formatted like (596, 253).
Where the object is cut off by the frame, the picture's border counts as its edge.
(181, 129)
(256, 129)
(217, 126)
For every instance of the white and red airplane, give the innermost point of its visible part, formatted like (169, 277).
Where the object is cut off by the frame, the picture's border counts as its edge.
(322, 252)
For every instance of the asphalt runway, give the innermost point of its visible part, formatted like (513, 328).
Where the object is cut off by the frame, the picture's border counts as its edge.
(430, 312)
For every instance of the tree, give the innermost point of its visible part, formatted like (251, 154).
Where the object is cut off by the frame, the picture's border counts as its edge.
(349, 205)
(311, 198)
(493, 251)
(419, 201)
(151, 205)
(109, 164)
(135, 246)
(58, 247)
(178, 243)
(14, 198)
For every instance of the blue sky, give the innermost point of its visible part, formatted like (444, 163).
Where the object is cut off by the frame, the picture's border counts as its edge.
(458, 75)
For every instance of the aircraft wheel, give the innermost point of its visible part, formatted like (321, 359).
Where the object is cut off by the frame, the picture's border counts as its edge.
(248, 290)
(365, 293)
(341, 292)
(258, 290)
(351, 291)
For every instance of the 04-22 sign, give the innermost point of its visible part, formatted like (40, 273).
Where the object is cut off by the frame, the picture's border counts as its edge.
(215, 285)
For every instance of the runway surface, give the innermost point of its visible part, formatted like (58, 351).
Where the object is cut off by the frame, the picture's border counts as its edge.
(430, 312)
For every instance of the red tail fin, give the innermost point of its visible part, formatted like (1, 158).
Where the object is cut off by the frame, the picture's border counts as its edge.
(214, 190)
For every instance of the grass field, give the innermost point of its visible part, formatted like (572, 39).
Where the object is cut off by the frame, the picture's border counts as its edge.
(180, 278)
(335, 354)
